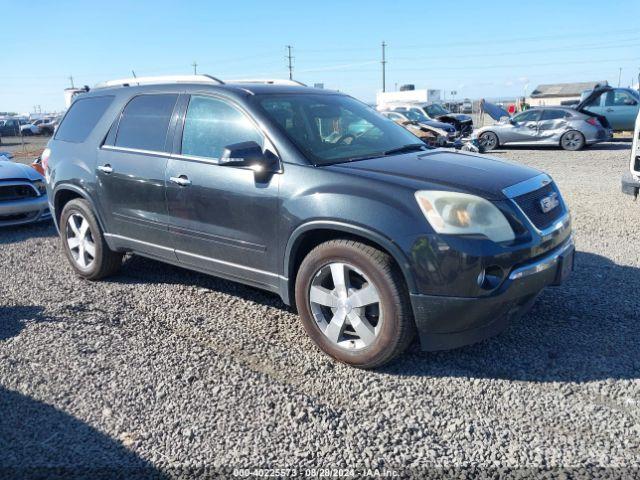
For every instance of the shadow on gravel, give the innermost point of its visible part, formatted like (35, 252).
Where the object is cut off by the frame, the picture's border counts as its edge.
(40, 441)
(585, 330)
(138, 269)
(12, 319)
(19, 233)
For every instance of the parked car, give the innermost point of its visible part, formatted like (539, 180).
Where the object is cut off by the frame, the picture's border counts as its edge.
(556, 126)
(23, 194)
(620, 106)
(631, 179)
(467, 106)
(10, 127)
(437, 136)
(372, 237)
(48, 126)
(462, 123)
(31, 128)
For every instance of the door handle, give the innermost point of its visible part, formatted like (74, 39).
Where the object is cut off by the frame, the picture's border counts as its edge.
(609, 110)
(182, 180)
(105, 168)
(532, 127)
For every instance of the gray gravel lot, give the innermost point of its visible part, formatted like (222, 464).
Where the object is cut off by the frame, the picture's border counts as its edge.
(161, 371)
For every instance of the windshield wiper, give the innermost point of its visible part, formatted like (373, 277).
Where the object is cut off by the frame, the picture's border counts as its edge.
(412, 147)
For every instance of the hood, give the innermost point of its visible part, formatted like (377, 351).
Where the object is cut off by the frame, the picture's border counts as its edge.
(15, 171)
(494, 111)
(476, 174)
(447, 127)
(455, 116)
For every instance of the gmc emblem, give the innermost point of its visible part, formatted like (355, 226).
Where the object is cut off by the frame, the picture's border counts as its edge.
(549, 202)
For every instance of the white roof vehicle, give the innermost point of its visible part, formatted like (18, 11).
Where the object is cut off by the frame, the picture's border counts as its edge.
(631, 179)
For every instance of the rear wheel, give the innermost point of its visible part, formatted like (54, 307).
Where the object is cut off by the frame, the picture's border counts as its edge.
(572, 140)
(488, 141)
(84, 244)
(353, 303)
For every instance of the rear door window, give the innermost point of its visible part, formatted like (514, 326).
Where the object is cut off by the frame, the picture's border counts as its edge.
(554, 114)
(145, 121)
(82, 117)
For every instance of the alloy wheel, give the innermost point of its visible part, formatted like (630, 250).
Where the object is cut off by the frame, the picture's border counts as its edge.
(489, 141)
(571, 140)
(80, 241)
(346, 306)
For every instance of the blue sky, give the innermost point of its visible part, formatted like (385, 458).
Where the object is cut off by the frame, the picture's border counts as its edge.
(479, 49)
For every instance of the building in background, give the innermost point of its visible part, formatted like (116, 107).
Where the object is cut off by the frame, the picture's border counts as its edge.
(561, 93)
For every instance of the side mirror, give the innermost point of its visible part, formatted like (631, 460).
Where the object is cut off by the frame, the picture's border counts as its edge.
(249, 155)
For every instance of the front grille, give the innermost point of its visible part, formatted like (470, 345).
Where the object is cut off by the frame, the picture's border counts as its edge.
(530, 205)
(16, 192)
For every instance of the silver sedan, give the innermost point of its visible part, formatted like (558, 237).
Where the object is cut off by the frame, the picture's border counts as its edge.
(556, 126)
(23, 194)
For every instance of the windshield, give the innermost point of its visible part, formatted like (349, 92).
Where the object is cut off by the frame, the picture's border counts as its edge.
(435, 110)
(335, 128)
(415, 116)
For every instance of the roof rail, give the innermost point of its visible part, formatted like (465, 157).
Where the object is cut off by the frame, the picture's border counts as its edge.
(127, 82)
(269, 81)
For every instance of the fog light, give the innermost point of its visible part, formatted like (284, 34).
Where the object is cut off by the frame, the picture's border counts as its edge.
(490, 278)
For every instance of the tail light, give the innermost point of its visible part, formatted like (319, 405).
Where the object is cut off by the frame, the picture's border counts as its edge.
(45, 158)
(593, 121)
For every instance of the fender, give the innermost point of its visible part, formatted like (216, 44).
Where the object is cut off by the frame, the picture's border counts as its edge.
(394, 250)
(80, 191)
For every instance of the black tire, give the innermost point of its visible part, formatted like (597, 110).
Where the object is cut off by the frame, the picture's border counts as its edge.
(572, 140)
(488, 141)
(397, 329)
(104, 262)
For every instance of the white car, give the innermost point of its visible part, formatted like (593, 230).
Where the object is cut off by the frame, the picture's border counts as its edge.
(631, 179)
(31, 128)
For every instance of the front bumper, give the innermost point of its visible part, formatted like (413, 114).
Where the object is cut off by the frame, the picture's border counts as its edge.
(630, 185)
(449, 322)
(28, 210)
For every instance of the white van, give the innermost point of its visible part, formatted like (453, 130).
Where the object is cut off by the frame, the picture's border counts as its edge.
(631, 179)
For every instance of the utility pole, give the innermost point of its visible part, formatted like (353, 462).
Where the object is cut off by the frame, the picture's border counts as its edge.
(619, 75)
(71, 80)
(384, 67)
(195, 67)
(290, 60)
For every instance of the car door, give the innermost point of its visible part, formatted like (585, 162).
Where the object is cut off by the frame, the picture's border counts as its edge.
(223, 219)
(621, 109)
(130, 172)
(523, 128)
(552, 125)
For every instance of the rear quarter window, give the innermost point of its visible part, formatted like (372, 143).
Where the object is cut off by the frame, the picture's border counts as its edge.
(82, 117)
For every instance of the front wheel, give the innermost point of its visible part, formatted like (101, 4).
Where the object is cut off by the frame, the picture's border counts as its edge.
(354, 304)
(84, 244)
(572, 140)
(488, 141)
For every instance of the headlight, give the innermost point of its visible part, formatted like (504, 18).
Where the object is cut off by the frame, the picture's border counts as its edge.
(463, 214)
(41, 186)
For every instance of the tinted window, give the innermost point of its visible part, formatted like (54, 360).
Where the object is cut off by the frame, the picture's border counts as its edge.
(554, 114)
(82, 117)
(145, 121)
(211, 125)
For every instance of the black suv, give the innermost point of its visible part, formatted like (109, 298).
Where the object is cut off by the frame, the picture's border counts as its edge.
(311, 194)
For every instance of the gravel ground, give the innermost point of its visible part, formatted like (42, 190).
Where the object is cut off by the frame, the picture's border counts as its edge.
(161, 371)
